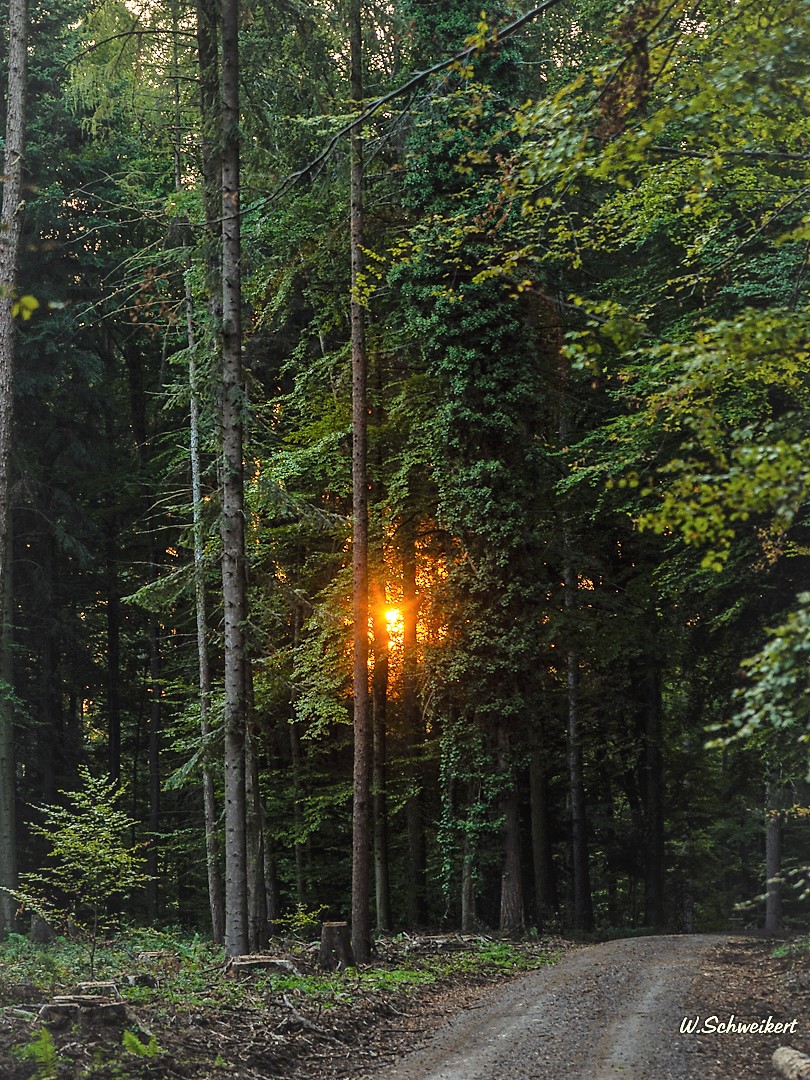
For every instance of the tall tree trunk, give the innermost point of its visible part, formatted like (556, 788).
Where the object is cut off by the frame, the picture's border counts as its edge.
(773, 857)
(582, 904)
(113, 667)
(379, 779)
(215, 898)
(544, 884)
(414, 734)
(257, 897)
(361, 809)
(469, 919)
(155, 710)
(512, 917)
(209, 102)
(234, 577)
(8, 816)
(653, 801)
(10, 221)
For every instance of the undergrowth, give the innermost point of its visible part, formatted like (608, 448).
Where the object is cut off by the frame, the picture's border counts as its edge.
(190, 970)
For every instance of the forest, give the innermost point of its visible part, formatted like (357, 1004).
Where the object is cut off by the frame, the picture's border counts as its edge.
(404, 498)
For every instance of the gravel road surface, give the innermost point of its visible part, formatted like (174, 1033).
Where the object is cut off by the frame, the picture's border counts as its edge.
(610, 1010)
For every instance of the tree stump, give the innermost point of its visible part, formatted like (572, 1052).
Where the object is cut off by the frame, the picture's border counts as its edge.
(335, 952)
(59, 1016)
(791, 1064)
(41, 932)
(240, 967)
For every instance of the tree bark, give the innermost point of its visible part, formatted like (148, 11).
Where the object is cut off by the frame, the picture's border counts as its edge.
(582, 903)
(773, 858)
(361, 809)
(257, 897)
(155, 710)
(335, 951)
(215, 898)
(469, 852)
(513, 916)
(382, 885)
(8, 816)
(653, 801)
(544, 884)
(113, 663)
(10, 222)
(414, 734)
(234, 577)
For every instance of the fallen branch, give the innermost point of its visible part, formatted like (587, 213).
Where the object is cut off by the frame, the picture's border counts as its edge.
(308, 1024)
(791, 1064)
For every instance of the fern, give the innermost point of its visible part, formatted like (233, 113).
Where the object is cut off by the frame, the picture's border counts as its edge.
(42, 1052)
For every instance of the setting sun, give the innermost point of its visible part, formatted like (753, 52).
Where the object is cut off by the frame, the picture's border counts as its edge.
(395, 623)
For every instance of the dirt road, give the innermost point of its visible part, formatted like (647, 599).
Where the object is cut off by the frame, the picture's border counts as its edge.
(607, 1011)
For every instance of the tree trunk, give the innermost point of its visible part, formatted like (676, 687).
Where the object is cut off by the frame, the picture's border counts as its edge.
(469, 921)
(414, 735)
(113, 663)
(582, 904)
(773, 858)
(257, 898)
(234, 595)
(155, 694)
(379, 777)
(544, 884)
(361, 815)
(10, 221)
(215, 899)
(513, 916)
(653, 802)
(8, 816)
(469, 854)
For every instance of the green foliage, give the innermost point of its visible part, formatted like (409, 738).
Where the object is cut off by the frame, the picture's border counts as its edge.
(774, 698)
(41, 1052)
(91, 860)
(133, 1043)
(301, 923)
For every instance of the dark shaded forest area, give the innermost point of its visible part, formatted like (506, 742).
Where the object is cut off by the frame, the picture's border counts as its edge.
(404, 493)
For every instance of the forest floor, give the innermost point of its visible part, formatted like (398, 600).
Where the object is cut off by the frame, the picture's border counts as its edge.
(296, 1022)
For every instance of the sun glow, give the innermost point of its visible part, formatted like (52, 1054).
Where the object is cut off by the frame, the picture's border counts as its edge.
(395, 624)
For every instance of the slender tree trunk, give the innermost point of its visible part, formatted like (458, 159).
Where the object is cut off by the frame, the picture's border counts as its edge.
(582, 904)
(8, 817)
(469, 919)
(653, 801)
(361, 808)
(773, 858)
(379, 777)
(544, 885)
(155, 718)
(233, 517)
(257, 897)
(10, 221)
(113, 663)
(209, 102)
(414, 734)
(215, 898)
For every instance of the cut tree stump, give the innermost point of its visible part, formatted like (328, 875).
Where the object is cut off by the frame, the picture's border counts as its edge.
(90, 1009)
(101, 988)
(335, 952)
(791, 1064)
(59, 1016)
(241, 967)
